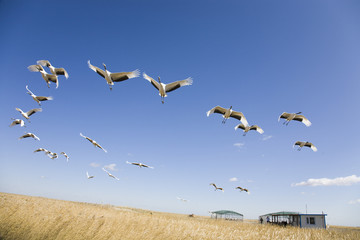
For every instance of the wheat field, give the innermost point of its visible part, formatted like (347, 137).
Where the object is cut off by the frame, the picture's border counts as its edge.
(25, 217)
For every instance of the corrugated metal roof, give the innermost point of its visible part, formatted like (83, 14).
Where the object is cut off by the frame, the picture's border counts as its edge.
(281, 213)
(227, 212)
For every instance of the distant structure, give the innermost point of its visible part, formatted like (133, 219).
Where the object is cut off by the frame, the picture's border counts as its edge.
(227, 215)
(296, 219)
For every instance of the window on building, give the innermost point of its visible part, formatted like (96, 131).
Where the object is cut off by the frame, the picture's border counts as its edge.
(310, 220)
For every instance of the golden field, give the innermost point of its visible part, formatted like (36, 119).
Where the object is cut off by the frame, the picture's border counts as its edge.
(25, 217)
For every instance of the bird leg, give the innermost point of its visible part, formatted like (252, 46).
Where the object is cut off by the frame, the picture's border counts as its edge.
(162, 100)
(244, 134)
(299, 148)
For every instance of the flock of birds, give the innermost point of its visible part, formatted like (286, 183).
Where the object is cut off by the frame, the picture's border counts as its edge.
(162, 88)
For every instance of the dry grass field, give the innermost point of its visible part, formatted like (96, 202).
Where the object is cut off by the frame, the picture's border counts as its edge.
(24, 217)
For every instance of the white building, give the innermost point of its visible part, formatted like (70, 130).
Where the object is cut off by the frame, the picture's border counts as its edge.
(295, 219)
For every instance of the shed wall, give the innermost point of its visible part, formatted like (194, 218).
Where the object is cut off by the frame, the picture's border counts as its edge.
(312, 221)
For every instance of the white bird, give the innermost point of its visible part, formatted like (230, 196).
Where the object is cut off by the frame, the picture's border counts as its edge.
(227, 113)
(17, 122)
(28, 113)
(165, 88)
(93, 142)
(38, 99)
(88, 176)
(46, 76)
(181, 199)
(26, 135)
(294, 116)
(114, 77)
(110, 175)
(305, 144)
(41, 150)
(243, 189)
(248, 128)
(217, 188)
(53, 70)
(139, 164)
(67, 157)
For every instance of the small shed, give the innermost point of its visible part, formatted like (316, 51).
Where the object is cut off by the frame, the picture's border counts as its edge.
(295, 219)
(227, 215)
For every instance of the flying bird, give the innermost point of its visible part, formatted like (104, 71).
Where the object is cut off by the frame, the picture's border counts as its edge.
(181, 199)
(28, 113)
(217, 188)
(294, 116)
(17, 122)
(139, 164)
(65, 155)
(88, 176)
(305, 144)
(53, 70)
(113, 77)
(26, 135)
(243, 189)
(38, 99)
(248, 128)
(93, 142)
(46, 76)
(227, 113)
(165, 88)
(110, 175)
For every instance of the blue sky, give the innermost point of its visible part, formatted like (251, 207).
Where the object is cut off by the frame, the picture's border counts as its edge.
(261, 57)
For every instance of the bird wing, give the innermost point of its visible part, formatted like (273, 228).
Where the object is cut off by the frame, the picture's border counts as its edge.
(240, 116)
(35, 68)
(98, 145)
(118, 77)
(297, 143)
(302, 119)
(41, 98)
(284, 115)
(175, 85)
(53, 78)
(312, 146)
(16, 121)
(44, 63)
(153, 82)
(25, 136)
(242, 126)
(257, 128)
(61, 71)
(213, 184)
(216, 109)
(96, 69)
(32, 111)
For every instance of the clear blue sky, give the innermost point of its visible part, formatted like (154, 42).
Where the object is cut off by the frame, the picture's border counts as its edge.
(261, 57)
